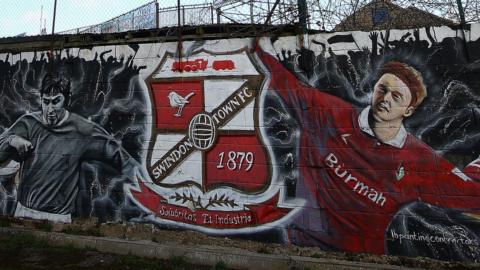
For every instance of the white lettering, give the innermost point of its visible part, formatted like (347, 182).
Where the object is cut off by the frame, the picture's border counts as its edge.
(331, 161)
(234, 102)
(349, 178)
(156, 173)
(227, 108)
(373, 195)
(236, 161)
(362, 186)
(221, 114)
(381, 199)
(341, 175)
(247, 93)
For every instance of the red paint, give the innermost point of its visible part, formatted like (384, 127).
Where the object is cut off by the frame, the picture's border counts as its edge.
(338, 160)
(223, 64)
(165, 113)
(252, 215)
(247, 179)
(194, 65)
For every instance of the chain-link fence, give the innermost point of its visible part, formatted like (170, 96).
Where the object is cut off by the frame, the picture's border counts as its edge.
(142, 17)
(36, 17)
(193, 14)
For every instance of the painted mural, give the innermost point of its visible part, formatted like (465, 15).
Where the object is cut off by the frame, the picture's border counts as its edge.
(359, 142)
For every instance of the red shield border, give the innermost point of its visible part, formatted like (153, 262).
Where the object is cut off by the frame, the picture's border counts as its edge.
(216, 213)
(238, 141)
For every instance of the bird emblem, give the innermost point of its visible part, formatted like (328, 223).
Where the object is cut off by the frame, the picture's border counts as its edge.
(177, 101)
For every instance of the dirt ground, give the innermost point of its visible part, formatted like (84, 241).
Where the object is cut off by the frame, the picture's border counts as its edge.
(135, 231)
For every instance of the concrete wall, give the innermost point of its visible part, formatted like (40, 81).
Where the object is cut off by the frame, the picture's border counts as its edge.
(361, 142)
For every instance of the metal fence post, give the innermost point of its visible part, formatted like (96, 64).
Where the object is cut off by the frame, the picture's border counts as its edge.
(461, 12)
(54, 16)
(50, 60)
(157, 14)
(463, 24)
(133, 22)
(183, 15)
(251, 12)
(302, 14)
(211, 12)
(179, 32)
(178, 13)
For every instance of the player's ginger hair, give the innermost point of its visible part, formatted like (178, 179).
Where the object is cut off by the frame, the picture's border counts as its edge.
(410, 76)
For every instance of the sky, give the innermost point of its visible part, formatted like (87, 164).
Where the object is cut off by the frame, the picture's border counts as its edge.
(23, 16)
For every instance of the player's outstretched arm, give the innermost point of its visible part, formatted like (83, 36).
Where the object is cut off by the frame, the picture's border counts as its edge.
(284, 83)
(451, 187)
(299, 98)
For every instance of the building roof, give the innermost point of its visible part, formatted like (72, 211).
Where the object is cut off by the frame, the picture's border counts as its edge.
(383, 14)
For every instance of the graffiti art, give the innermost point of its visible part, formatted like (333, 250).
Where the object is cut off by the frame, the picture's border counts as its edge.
(356, 141)
(211, 169)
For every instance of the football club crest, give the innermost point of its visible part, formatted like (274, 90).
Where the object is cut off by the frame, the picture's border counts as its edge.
(210, 168)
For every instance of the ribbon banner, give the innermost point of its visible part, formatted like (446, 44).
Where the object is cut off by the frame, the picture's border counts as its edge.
(253, 215)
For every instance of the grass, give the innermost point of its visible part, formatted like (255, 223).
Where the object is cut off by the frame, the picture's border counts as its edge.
(15, 248)
(178, 262)
(44, 226)
(139, 263)
(220, 266)
(20, 241)
(28, 241)
(4, 222)
(174, 263)
(79, 231)
(264, 249)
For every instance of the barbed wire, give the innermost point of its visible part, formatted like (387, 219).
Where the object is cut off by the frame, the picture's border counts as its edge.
(325, 15)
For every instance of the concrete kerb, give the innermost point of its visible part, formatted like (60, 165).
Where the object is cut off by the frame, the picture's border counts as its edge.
(196, 254)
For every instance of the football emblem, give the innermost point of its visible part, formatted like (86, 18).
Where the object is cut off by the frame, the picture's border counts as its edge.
(202, 131)
(209, 165)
